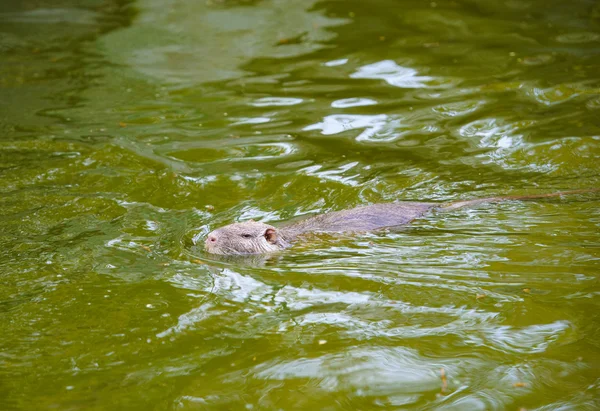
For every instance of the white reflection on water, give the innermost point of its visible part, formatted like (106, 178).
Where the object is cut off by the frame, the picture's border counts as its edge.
(338, 123)
(559, 93)
(353, 102)
(490, 131)
(378, 127)
(250, 120)
(393, 74)
(334, 63)
(336, 174)
(459, 108)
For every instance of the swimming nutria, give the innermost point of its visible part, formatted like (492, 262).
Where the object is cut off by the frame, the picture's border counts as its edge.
(251, 237)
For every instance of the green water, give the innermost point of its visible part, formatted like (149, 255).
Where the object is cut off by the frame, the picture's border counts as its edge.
(129, 130)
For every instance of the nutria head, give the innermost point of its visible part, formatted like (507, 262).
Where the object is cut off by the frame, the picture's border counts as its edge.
(248, 237)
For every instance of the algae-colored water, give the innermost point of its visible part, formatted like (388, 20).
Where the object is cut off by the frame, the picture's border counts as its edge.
(129, 130)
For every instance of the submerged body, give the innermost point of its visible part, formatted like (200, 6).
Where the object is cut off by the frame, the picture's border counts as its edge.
(253, 237)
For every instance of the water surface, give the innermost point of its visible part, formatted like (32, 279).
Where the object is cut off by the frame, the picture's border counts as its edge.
(129, 130)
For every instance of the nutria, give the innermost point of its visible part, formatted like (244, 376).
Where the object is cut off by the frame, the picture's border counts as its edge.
(251, 237)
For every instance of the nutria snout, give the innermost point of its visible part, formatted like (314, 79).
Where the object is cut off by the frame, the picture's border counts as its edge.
(252, 237)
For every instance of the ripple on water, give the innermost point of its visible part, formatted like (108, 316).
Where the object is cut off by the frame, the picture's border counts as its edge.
(579, 37)
(393, 74)
(538, 60)
(336, 174)
(375, 371)
(276, 101)
(338, 123)
(526, 340)
(500, 297)
(353, 102)
(333, 63)
(492, 133)
(503, 144)
(593, 104)
(460, 108)
(249, 120)
(243, 151)
(376, 128)
(558, 94)
(353, 313)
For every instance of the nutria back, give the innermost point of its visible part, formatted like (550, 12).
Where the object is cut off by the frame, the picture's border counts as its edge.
(366, 218)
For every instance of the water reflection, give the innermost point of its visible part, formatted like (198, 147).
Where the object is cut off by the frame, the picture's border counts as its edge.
(393, 74)
(379, 127)
(353, 102)
(185, 33)
(276, 101)
(337, 174)
(376, 371)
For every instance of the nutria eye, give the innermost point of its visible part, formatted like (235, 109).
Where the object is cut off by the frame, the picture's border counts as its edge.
(247, 235)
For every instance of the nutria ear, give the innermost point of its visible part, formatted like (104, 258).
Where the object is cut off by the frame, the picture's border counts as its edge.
(271, 235)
